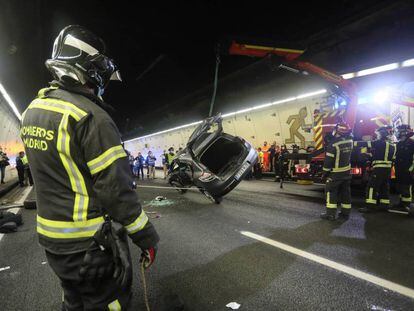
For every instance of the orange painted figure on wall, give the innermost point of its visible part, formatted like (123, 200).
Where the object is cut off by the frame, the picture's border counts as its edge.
(266, 160)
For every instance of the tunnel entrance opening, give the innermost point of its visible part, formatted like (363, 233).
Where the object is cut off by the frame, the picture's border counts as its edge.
(221, 155)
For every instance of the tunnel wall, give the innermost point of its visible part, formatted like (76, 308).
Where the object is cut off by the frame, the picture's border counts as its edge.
(9, 133)
(275, 123)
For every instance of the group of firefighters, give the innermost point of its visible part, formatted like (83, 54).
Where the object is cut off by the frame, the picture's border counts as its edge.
(385, 155)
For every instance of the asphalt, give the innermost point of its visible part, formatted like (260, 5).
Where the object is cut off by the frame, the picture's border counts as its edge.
(204, 262)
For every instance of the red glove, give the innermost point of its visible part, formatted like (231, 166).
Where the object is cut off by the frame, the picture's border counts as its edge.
(148, 256)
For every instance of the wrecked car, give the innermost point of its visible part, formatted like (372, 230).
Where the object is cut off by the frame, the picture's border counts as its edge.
(212, 161)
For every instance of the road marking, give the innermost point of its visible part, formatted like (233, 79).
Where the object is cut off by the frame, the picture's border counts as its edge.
(406, 291)
(23, 197)
(4, 268)
(397, 212)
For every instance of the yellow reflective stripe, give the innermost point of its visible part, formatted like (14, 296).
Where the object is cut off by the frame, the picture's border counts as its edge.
(42, 92)
(106, 159)
(326, 169)
(405, 199)
(59, 106)
(385, 201)
(382, 165)
(328, 201)
(114, 306)
(138, 223)
(330, 155)
(381, 162)
(349, 141)
(68, 229)
(338, 156)
(370, 201)
(66, 235)
(346, 205)
(371, 193)
(77, 182)
(369, 144)
(341, 169)
(70, 224)
(387, 150)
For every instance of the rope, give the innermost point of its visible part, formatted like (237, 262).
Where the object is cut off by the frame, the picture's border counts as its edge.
(168, 188)
(144, 286)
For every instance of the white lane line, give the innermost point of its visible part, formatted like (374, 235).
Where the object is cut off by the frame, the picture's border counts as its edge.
(4, 268)
(334, 265)
(397, 212)
(23, 197)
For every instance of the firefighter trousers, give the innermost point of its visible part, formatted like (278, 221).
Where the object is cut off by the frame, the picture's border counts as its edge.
(79, 295)
(338, 191)
(378, 188)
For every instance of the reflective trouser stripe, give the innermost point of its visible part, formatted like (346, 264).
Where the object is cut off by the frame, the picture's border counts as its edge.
(385, 201)
(80, 208)
(138, 223)
(106, 159)
(328, 201)
(330, 155)
(346, 205)
(370, 198)
(341, 169)
(114, 306)
(407, 198)
(68, 229)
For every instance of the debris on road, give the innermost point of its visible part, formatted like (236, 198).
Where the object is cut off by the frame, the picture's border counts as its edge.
(44, 262)
(233, 305)
(378, 308)
(4, 268)
(160, 198)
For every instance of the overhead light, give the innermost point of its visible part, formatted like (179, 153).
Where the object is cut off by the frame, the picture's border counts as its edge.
(348, 76)
(10, 102)
(408, 63)
(381, 96)
(378, 69)
(230, 114)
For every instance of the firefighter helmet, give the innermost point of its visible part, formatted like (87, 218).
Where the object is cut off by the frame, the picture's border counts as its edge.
(384, 132)
(78, 58)
(403, 131)
(341, 129)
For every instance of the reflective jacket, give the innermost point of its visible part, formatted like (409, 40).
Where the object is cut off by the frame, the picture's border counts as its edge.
(338, 157)
(383, 152)
(170, 157)
(81, 171)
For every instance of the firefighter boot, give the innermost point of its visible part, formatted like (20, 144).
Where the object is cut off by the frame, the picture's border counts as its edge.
(330, 214)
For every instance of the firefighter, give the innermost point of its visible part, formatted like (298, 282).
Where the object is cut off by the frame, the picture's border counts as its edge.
(85, 202)
(404, 166)
(383, 154)
(337, 171)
